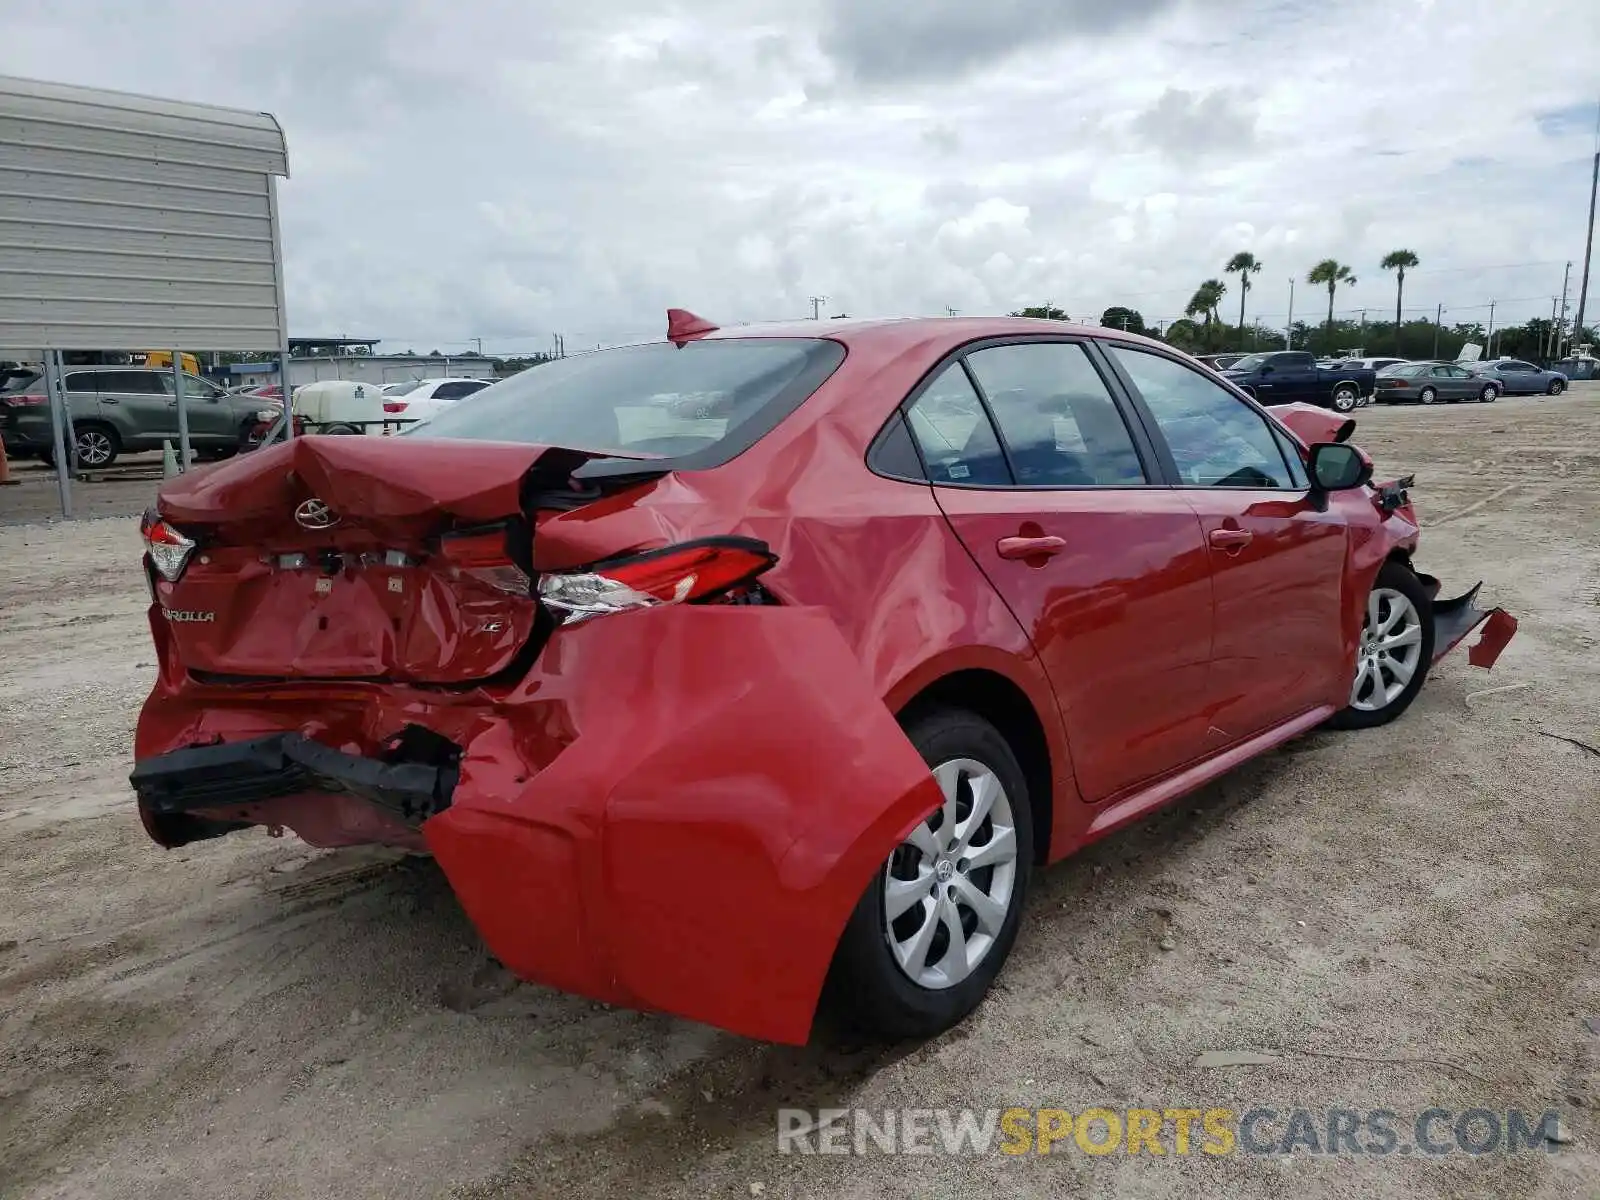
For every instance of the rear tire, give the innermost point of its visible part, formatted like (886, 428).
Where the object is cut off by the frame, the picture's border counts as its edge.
(98, 446)
(879, 985)
(1396, 637)
(1427, 396)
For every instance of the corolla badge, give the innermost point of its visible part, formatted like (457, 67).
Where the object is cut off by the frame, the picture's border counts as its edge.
(314, 514)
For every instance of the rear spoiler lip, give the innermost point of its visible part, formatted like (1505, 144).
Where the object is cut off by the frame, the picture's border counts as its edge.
(1455, 619)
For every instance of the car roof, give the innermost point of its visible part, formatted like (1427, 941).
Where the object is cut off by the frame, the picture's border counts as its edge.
(902, 334)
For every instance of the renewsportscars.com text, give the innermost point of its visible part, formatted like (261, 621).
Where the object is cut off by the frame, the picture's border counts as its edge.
(1154, 1132)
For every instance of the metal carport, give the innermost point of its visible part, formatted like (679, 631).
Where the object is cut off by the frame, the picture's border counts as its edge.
(132, 223)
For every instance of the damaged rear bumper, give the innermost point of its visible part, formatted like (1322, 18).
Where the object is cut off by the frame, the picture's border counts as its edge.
(677, 811)
(1455, 619)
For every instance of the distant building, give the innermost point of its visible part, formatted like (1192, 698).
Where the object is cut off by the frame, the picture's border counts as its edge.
(312, 359)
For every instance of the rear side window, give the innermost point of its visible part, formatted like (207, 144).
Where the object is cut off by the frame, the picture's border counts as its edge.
(458, 388)
(704, 402)
(953, 432)
(144, 383)
(82, 381)
(1060, 424)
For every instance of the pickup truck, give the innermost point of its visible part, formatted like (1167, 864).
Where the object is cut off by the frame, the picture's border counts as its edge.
(1290, 376)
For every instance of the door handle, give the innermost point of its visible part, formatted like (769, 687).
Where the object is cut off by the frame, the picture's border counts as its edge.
(1030, 547)
(1231, 539)
(109, 400)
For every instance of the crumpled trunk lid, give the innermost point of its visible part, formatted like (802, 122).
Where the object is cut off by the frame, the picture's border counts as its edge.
(342, 558)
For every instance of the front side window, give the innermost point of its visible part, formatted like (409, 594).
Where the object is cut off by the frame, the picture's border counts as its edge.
(708, 399)
(1061, 426)
(1216, 439)
(138, 383)
(954, 435)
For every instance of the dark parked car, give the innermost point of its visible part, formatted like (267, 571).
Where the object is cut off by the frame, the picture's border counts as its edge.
(1292, 376)
(1220, 362)
(1426, 382)
(118, 410)
(1518, 378)
(720, 717)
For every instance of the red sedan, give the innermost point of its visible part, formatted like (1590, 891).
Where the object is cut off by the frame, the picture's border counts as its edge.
(760, 668)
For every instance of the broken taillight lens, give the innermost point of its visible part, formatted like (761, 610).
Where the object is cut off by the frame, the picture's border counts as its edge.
(168, 549)
(683, 574)
(485, 555)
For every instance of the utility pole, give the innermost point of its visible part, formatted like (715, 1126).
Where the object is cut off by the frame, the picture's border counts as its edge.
(1588, 242)
(1288, 327)
(816, 307)
(478, 342)
(1561, 325)
(1438, 318)
(1488, 341)
(1549, 340)
(950, 312)
(1363, 331)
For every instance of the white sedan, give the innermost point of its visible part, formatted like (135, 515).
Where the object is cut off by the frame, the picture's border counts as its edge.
(424, 398)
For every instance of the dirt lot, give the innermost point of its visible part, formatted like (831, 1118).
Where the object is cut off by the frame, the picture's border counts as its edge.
(1408, 916)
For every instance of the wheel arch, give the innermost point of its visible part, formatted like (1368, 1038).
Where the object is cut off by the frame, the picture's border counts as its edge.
(1005, 705)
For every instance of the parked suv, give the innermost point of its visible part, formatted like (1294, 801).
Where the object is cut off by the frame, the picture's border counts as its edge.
(118, 410)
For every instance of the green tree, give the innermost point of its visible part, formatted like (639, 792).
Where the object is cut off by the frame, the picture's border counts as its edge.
(1244, 265)
(1398, 261)
(1048, 312)
(1205, 300)
(1184, 334)
(1117, 317)
(1330, 273)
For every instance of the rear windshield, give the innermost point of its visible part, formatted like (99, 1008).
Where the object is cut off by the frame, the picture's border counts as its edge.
(705, 401)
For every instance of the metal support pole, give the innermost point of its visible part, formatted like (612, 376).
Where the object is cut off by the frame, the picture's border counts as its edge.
(58, 431)
(283, 353)
(1488, 341)
(180, 395)
(1588, 241)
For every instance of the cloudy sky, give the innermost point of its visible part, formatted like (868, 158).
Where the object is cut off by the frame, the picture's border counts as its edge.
(504, 169)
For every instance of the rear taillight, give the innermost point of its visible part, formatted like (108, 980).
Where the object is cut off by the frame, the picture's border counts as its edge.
(168, 549)
(485, 555)
(27, 400)
(394, 406)
(1392, 383)
(684, 574)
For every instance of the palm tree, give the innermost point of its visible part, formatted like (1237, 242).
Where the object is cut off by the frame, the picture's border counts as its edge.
(1205, 300)
(1398, 261)
(1330, 273)
(1244, 265)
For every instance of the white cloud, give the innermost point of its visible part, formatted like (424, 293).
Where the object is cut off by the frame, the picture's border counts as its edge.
(504, 170)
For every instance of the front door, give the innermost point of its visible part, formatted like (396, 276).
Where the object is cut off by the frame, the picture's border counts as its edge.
(1107, 572)
(1277, 561)
(211, 422)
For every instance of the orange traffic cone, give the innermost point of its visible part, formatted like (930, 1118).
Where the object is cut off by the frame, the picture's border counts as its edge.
(5, 467)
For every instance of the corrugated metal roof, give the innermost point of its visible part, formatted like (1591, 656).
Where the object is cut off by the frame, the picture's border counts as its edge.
(129, 222)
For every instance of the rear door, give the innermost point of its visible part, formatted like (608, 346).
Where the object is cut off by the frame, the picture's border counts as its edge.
(1049, 488)
(137, 403)
(1277, 562)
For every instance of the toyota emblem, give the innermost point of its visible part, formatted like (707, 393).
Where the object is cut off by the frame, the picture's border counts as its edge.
(314, 514)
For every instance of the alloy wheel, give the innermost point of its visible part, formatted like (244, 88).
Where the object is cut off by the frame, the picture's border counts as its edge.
(1344, 399)
(1391, 650)
(94, 448)
(948, 887)
(1427, 395)
(1489, 394)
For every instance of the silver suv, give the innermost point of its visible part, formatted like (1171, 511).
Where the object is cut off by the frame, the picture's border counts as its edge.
(117, 410)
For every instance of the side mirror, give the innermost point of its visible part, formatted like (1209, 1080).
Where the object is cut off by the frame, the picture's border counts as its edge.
(1264, 369)
(1337, 467)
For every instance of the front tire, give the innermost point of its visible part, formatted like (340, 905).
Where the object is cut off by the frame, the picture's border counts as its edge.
(1489, 394)
(1345, 398)
(1395, 651)
(935, 925)
(1557, 386)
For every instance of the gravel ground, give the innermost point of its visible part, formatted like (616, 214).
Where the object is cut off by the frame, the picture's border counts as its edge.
(1406, 917)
